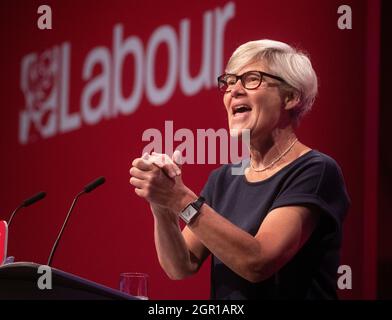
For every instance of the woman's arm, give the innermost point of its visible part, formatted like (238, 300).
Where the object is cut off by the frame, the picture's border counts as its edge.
(179, 254)
(279, 238)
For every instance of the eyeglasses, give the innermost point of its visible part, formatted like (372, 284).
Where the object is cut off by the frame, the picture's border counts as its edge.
(250, 80)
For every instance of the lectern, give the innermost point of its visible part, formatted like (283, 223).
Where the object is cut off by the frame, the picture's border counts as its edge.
(20, 281)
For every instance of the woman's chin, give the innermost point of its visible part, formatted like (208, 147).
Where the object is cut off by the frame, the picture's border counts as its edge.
(239, 131)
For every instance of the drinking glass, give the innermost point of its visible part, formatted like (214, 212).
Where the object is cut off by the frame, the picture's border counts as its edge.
(135, 284)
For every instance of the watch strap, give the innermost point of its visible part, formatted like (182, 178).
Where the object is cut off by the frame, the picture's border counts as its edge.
(198, 203)
(192, 210)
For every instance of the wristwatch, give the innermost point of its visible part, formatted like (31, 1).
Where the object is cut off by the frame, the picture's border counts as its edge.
(191, 210)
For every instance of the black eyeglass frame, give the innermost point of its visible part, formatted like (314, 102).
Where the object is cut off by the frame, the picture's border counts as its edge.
(241, 77)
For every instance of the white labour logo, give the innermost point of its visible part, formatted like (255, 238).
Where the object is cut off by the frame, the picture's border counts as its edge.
(45, 78)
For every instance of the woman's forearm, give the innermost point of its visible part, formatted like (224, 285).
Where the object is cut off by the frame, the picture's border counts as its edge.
(173, 253)
(236, 248)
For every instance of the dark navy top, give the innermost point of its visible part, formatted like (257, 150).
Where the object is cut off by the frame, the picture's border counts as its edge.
(313, 180)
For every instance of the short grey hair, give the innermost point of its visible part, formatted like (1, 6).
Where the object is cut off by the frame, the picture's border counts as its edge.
(282, 60)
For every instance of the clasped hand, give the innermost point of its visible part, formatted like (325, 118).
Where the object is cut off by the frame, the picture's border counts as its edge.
(157, 178)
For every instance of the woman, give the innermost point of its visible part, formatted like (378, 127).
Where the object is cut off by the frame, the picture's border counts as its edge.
(274, 232)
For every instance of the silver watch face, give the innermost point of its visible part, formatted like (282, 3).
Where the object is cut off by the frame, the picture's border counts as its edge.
(188, 213)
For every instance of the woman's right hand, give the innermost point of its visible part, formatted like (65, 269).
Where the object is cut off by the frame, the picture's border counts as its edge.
(170, 166)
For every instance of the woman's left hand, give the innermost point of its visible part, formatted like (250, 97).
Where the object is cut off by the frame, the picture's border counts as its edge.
(156, 186)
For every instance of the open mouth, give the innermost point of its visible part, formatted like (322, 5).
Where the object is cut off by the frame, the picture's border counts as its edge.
(243, 108)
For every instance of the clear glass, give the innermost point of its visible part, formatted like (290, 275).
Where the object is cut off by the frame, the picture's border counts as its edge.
(135, 284)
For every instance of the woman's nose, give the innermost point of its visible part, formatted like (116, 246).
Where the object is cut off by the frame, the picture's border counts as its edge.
(237, 89)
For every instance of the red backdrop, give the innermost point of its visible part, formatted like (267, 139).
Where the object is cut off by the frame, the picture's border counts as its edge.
(73, 109)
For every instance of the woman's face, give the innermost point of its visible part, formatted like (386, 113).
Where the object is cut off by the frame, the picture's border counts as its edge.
(262, 108)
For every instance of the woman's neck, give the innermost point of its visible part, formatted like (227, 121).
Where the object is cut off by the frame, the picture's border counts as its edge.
(265, 151)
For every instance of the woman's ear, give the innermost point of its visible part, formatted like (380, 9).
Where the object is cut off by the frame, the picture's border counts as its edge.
(292, 99)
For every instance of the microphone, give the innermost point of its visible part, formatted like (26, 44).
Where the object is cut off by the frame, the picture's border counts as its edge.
(92, 185)
(26, 203)
(88, 188)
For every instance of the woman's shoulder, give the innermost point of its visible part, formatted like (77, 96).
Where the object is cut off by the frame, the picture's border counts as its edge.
(319, 161)
(320, 173)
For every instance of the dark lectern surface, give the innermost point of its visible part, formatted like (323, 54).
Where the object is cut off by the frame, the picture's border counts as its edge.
(20, 281)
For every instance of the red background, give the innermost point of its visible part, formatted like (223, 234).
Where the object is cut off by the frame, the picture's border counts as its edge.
(111, 230)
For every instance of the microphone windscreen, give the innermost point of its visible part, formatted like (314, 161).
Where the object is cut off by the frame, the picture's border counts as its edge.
(96, 183)
(34, 199)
